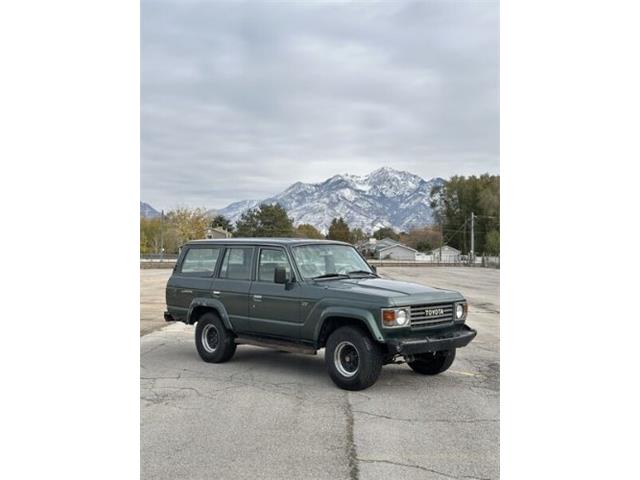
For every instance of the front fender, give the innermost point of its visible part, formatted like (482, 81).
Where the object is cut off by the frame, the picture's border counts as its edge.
(361, 314)
(210, 303)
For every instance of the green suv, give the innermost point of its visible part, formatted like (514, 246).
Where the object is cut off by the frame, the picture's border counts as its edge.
(301, 295)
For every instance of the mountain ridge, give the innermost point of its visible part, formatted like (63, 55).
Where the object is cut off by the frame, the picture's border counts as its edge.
(147, 211)
(383, 198)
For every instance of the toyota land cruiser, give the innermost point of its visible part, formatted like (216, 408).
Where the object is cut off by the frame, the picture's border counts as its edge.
(303, 295)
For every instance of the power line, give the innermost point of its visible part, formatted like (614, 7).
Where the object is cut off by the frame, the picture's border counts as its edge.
(451, 236)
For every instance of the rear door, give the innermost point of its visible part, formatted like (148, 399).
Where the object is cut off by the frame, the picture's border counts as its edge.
(233, 283)
(192, 278)
(275, 307)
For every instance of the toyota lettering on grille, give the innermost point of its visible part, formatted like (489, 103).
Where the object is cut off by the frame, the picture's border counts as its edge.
(433, 312)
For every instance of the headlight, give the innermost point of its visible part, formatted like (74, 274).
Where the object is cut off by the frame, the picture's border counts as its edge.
(395, 317)
(461, 311)
(401, 317)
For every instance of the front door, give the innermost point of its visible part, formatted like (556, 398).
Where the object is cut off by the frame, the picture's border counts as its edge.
(192, 278)
(233, 283)
(275, 307)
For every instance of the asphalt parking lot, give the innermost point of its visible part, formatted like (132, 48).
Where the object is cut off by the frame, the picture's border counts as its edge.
(274, 415)
(152, 301)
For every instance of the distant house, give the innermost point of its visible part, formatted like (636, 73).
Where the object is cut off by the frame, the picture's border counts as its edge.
(218, 232)
(424, 257)
(372, 246)
(387, 242)
(446, 254)
(396, 252)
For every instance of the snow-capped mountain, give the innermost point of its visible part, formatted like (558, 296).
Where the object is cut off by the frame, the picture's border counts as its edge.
(383, 198)
(235, 209)
(147, 211)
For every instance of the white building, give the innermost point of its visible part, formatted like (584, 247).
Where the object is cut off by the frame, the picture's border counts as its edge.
(218, 232)
(424, 257)
(396, 252)
(371, 246)
(446, 254)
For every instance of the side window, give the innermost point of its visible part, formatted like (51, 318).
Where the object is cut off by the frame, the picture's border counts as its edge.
(237, 264)
(200, 260)
(269, 260)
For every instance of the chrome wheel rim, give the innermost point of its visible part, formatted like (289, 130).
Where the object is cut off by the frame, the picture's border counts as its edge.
(346, 359)
(210, 338)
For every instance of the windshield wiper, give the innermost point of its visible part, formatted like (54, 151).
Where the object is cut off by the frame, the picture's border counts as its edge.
(366, 272)
(331, 275)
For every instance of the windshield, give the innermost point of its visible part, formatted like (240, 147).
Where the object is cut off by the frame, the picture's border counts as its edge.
(322, 260)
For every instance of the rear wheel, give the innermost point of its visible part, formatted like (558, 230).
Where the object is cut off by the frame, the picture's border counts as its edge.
(433, 363)
(352, 358)
(214, 341)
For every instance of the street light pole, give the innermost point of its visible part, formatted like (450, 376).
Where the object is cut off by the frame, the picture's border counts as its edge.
(472, 252)
(161, 235)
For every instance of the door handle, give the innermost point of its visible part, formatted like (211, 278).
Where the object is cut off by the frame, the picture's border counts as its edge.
(186, 291)
(216, 293)
(257, 298)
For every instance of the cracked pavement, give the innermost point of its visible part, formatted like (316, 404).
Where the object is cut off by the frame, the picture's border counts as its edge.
(274, 415)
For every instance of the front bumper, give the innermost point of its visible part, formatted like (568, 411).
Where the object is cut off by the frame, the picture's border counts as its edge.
(460, 337)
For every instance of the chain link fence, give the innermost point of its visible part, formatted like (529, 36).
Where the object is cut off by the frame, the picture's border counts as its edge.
(156, 260)
(446, 261)
(158, 256)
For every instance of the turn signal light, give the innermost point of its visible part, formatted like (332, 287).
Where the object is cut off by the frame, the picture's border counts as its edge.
(389, 317)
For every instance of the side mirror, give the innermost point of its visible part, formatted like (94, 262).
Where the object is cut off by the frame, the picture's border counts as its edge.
(280, 275)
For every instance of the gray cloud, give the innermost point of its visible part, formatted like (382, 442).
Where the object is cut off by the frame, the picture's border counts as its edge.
(241, 99)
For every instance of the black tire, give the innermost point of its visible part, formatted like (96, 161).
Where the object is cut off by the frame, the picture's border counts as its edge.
(433, 363)
(214, 341)
(351, 372)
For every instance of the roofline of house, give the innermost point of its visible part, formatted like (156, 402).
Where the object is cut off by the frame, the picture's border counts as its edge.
(398, 245)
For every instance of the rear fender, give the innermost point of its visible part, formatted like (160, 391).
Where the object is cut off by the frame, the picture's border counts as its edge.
(209, 303)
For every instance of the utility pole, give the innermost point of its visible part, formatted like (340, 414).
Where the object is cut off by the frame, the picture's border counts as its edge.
(464, 238)
(472, 252)
(161, 235)
(441, 239)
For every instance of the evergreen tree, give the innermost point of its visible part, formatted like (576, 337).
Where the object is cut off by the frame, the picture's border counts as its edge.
(265, 221)
(339, 230)
(492, 243)
(220, 221)
(357, 235)
(306, 230)
(386, 232)
(453, 204)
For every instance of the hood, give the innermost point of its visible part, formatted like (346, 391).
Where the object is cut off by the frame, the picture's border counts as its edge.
(397, 293)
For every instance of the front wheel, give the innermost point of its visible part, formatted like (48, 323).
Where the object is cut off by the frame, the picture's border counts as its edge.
(352, 358)
(215, 344)
(433, 363)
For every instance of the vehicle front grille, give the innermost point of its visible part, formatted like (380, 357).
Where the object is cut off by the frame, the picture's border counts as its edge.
(430, 315)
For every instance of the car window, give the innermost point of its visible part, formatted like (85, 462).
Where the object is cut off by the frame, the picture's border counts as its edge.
(200, 260)
(269, 260)
(320, 259)
(237, 264)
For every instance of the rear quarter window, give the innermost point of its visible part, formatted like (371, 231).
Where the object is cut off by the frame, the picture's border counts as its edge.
(200, 260)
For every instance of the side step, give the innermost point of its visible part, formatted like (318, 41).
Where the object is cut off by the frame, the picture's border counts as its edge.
(276, 344)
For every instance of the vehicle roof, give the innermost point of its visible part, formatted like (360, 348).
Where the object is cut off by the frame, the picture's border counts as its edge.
(264, 241)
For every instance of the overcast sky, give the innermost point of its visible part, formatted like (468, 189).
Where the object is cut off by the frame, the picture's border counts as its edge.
(241, 99)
